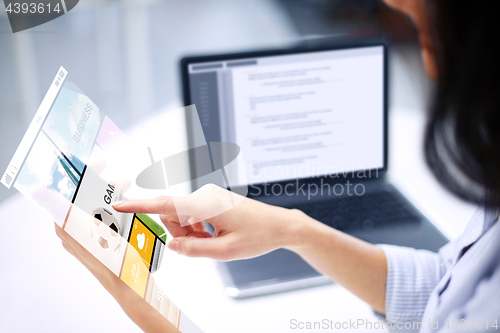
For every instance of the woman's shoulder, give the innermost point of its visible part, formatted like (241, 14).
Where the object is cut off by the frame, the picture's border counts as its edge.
(450, 253)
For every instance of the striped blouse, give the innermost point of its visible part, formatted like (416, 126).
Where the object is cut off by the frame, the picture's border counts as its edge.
(456, 289)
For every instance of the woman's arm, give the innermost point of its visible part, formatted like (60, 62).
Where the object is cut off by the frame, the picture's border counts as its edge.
(359, 266)
(252, 228)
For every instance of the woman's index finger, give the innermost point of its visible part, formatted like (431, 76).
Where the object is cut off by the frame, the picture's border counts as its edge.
(159, 205)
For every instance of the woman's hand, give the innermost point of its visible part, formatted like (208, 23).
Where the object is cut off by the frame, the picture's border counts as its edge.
(252, 228)
(141, 313)
(247, 230)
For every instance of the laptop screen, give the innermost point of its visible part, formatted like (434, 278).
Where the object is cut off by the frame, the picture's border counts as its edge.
(298, 115)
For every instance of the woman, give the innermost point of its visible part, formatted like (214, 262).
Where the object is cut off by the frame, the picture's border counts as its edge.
(459, 285)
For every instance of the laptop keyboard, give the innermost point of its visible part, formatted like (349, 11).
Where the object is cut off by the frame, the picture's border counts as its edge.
(363, 213)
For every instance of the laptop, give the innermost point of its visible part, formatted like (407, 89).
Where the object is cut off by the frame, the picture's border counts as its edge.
(311, 122)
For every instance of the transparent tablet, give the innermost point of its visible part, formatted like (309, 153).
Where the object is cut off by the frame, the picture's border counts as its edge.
(59, 165)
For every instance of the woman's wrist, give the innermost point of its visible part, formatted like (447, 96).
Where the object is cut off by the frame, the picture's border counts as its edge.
(296, 229)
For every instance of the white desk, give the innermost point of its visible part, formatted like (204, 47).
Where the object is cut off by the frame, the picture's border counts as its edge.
(44, 289)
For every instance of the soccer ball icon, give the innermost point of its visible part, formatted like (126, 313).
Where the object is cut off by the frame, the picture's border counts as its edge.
(105, 216)
(105, 229)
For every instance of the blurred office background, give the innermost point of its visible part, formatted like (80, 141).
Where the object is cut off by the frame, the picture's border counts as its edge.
(124, 54)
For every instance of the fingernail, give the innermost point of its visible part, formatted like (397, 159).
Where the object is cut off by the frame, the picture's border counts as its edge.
(118, 203)
(174, 246)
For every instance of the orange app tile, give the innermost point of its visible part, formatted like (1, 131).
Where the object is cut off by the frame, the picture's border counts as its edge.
(143, 240)
(135, 272)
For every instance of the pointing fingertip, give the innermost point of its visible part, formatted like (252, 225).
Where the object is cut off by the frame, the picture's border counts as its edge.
(118, 203)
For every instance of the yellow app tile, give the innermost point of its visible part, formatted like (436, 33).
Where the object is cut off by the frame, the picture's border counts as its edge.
(143, 240)
(135, 272)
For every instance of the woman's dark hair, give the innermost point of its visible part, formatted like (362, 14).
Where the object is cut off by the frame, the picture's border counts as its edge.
(462, 139)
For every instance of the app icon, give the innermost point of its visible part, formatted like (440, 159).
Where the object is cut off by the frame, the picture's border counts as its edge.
(140, 240)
